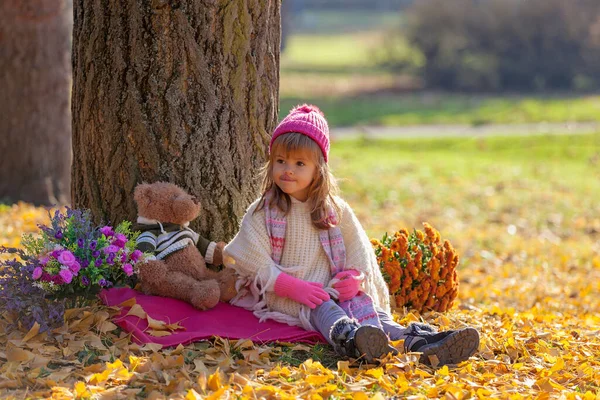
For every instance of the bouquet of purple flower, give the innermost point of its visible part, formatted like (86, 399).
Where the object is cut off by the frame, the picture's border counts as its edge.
(74, 257)
(69, 259)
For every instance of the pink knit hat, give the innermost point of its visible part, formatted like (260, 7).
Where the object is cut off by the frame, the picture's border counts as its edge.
(307, 120)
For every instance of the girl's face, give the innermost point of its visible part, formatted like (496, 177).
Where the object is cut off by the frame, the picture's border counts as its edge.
(294, 172)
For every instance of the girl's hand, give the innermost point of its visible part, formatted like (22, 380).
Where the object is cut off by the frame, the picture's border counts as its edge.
(307, 293)
(348, 285)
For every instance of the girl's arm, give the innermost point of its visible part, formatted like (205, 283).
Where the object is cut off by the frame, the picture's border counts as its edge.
(249, 253)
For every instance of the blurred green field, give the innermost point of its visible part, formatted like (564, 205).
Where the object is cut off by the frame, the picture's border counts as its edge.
(445, 108)
(334, 63)
(500, 180)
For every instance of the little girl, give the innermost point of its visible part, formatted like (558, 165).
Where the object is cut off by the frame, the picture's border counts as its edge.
(304, 259)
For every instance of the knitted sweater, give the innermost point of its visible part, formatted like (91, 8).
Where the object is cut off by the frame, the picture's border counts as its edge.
(249, 253)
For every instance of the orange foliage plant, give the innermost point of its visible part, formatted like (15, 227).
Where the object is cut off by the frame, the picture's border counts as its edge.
(419, 268)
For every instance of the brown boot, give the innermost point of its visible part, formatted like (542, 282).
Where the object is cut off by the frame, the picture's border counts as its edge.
(441, 348)
(363, 342)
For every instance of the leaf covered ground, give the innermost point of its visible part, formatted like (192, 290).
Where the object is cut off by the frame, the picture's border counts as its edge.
(523, 214)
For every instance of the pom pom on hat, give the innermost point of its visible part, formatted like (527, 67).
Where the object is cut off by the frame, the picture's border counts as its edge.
(308, 120)
(306, 108)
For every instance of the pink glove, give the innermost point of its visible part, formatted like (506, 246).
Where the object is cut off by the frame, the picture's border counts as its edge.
(308, 293)
(349, 285)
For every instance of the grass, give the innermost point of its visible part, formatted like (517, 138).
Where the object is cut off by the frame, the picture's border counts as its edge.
(298, 354)
(474, 179)
(330, 53)
(376, 107)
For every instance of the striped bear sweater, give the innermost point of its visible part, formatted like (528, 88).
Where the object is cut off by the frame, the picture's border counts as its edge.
(164, 239)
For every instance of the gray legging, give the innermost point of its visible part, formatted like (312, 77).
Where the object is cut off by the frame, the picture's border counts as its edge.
(325, 315)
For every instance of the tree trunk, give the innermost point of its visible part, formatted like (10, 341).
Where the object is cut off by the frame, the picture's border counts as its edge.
(177, 91)
(35, 120)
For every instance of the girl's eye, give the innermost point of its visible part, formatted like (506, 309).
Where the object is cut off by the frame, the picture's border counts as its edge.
(300, 164)
(279, 161)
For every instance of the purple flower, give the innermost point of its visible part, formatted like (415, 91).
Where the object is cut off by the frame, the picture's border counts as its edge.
(56, 253)
(98, 262)
(93, 245)
(111, 249)
(66, 275)
(37, 273)
(123, 257)
(66, 258)
(111, 258)
(58, 235)
(120, 240)
(136, 255)
(85, 281)
(128, 269)
(96, 253)
(107, 231)
(44, 260)
(75, 267)
(85, 263)
(102, 282)
(80, 242)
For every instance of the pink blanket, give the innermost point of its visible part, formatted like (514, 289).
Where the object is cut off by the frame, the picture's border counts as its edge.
(224, 320)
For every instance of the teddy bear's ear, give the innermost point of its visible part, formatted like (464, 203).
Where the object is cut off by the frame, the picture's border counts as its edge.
(141, 193)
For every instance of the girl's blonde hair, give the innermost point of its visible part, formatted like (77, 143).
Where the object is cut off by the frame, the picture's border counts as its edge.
(322, 190)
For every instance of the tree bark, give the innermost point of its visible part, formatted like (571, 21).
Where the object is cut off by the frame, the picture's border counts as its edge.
(35, 119)
(177, 91)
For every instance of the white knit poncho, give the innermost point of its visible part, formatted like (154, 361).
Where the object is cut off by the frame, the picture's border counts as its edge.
(249, 253)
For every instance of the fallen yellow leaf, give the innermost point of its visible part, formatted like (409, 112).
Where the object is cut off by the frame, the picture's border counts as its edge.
(128, 303)
(192, 395)
(18, 355)
(214, 381)
(81, 390)
(217, 395)
(137, 311)
(32, 332)
(154, 333)
(316, 380)
(376, 373)
(156, 324)
(106, 326)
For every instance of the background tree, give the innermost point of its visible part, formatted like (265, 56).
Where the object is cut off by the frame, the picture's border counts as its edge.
(35, 127)
(180, 91)
(287, 20)
(493, 45)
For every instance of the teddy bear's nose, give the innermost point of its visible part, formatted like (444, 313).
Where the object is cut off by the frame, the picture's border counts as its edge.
(195, 199)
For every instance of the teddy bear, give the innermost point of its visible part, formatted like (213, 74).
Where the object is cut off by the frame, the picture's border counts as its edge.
(178, 265)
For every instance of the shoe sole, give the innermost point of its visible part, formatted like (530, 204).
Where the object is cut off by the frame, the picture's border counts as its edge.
(453, 349)
(371, 343)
